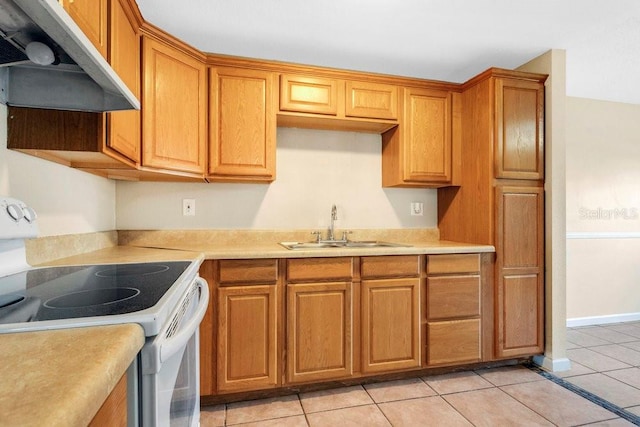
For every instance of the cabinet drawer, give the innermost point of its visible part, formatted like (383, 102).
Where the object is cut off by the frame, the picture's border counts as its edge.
(456, 263)
(248, 271)
(390, 266)
(371, 100)
(453, 342)
(304, 269)
(453, 296)
(308, 94)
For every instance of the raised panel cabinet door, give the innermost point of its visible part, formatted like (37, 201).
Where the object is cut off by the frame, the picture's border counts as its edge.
(306, 94)
(247, 338)
(390, 324)
(91, 17)
(124, 131)
(519, 129)
(318, 331)
(427, 126)
(371, 100)
(519, 271)
(174, 109)
(242, 125)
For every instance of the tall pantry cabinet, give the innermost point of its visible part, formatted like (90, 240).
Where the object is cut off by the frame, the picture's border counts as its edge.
(501, 199)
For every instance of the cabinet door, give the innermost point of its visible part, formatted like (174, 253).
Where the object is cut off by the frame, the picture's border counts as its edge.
(371, 100)
(124, 56)
(427, 140)
(247, 340)
(390, 324)
(242, 125)
(318, 331)
(174, 109)
(309, 94)
(519, 270)
(91, 17)
(519, 129)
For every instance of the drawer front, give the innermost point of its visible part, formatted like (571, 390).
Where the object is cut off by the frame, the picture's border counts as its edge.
(390, 266)
(453, 342)
(306, 269)
(371, 100)
(455, 263)
(453, 296)
(248, 271)
(308, 94)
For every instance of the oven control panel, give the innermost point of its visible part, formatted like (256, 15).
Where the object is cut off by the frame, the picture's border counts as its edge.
(17, 220)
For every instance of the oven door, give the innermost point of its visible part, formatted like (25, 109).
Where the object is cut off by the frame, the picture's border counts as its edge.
(170, 394)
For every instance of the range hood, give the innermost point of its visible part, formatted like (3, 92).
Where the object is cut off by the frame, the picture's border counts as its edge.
(79, 78)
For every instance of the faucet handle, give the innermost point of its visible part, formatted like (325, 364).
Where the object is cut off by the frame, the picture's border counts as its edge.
(345, 235)
(317, 234)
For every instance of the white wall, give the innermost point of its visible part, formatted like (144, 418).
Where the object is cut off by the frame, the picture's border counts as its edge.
(315, 169)
(603, 211)
(67, 201)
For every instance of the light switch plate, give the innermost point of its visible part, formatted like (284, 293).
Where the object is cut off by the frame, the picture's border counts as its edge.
(417, 208)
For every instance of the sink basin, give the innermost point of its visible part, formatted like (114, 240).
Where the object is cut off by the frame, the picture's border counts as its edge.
(338, 244)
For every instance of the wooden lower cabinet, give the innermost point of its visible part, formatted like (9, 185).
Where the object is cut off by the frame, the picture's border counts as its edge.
(520, 270)
(113, 412)
(318, 331)
(247, 337)
(390, 324)
(454, 309)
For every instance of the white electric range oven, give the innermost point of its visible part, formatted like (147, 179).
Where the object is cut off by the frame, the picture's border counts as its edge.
(168, 299)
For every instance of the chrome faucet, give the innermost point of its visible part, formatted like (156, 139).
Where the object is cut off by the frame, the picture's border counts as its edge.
(334, 216)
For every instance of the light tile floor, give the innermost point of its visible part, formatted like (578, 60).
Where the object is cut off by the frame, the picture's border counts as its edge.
(605, 362)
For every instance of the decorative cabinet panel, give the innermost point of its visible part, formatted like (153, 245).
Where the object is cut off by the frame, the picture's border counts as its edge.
(174, 109)
(91, 17)
(307, 94)
(418, 152)
(390, 324)
(318, 331)
(242, 125)
(371, 100)
(520, 270)
(519, 129)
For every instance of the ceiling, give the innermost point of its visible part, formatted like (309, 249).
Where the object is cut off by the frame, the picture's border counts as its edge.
(449, 40)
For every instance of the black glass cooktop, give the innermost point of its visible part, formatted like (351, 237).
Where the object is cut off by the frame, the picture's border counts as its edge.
(85, 291)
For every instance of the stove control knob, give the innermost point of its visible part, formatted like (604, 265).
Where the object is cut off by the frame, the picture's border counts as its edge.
(29, 214)
(15, 212)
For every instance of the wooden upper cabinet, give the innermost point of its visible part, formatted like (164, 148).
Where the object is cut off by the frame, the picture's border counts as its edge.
(91, 17)
(174, 109)
(123, 127)
(306, 94)
(371, 100)
(428, 139)
(242, 125)
(418, 153)
(519, 129)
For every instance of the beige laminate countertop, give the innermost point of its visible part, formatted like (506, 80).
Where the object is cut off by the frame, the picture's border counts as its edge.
(185, 251)
(62, 377)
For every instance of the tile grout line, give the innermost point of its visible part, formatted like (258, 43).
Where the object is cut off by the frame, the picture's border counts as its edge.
(622, 413)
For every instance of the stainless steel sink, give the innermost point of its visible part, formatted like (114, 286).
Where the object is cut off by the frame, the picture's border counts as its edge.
(341, 244)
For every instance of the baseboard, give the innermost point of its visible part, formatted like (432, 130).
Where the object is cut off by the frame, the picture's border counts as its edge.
(602, 320)
(552, 365)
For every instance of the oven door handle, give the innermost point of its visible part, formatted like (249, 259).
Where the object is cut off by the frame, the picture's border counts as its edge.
(177, 342)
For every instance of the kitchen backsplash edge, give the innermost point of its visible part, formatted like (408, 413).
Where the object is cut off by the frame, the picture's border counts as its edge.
(45, 249)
